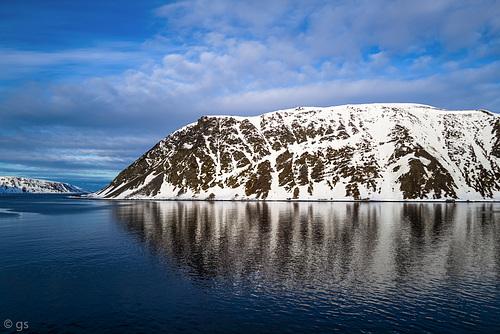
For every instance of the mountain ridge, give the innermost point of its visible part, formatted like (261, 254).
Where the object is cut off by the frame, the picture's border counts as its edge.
(351, 152)
(16, 185)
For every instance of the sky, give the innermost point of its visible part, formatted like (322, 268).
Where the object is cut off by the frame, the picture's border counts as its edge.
(87, 87)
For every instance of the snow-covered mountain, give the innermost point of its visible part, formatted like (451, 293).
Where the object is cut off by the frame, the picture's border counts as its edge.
(352, 152)
(10, 185)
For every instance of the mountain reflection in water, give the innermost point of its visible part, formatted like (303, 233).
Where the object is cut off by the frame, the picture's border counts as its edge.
(278, 266)
(80, 266)
(380, 245)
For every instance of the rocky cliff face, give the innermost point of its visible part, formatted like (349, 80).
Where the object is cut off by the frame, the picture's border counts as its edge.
(16, 185)
(353, 152)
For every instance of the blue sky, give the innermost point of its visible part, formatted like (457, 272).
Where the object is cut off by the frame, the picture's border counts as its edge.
(87, 87)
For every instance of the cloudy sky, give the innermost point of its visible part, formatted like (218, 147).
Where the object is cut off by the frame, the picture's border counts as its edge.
(86, 87)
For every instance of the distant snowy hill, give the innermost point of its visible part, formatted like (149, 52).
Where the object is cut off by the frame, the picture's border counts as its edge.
(352, 152)
(10, 185)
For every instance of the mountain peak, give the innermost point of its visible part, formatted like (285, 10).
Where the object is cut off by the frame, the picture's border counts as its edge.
(383, 151)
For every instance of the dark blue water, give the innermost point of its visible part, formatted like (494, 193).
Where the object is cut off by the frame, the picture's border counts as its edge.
(74, 265)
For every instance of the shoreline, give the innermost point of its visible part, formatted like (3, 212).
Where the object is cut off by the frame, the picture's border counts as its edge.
(446, 201)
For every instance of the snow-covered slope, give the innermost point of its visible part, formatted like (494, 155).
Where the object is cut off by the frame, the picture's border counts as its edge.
(352, 152)
(11, 185)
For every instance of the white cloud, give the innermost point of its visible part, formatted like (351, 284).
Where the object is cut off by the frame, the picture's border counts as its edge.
(72, 63)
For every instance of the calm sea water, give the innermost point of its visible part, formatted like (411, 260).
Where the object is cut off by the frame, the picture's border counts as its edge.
(73, 265)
